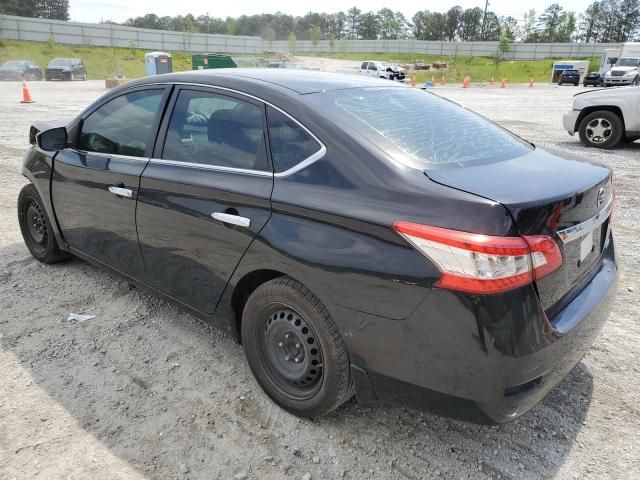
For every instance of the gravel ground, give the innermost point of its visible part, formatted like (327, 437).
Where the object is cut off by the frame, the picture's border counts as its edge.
(146, 391)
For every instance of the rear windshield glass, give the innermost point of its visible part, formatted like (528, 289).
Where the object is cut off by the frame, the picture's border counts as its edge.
(14, 63)
(429, 130)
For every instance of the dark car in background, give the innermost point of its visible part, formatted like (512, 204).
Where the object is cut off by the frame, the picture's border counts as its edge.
(17, 69)
(594, 79)
(347, 243)
(569, 76)
(65, 69)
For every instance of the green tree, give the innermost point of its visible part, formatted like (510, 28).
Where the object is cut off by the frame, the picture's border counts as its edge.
(315, 34)
(504, 45)
(292, 42)
(270, 36)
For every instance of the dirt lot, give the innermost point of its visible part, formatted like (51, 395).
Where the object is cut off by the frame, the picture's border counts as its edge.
(146, 391)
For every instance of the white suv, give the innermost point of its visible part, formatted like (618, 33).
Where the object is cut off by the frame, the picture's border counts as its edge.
(603, 118)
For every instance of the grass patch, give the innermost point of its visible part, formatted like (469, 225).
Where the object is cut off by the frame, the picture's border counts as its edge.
(103, 62)
(480, 69)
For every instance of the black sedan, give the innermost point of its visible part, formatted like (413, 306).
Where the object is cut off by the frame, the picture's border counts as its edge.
(19, 69)
(569, 76)
(65, 69)
(349, 245)
(595, 79)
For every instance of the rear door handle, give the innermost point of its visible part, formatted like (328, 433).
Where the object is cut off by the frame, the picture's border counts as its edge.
(232, 219)
(121, 192)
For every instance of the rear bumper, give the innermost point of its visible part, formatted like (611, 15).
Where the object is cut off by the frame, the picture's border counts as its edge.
(57, 75)
(486, 360)
(570, 120)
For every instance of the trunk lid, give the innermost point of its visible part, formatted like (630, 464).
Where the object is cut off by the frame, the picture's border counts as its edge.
(547, 194)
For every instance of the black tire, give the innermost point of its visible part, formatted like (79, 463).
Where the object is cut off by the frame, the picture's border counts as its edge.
(636, 81)
(84, 77)
(576, 84)
(601, 129)
(36, 228)
(46, 78)
(294, 349)
(559, 84)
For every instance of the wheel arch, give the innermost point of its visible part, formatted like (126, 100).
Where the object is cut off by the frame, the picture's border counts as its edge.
(596, 108)
(243, 290)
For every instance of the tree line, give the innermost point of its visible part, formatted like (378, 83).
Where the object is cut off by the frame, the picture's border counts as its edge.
(52, 9)
(602, 21)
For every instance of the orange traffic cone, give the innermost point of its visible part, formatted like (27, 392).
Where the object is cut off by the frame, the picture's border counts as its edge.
(442, 80)
(26, 96)
(433, 80)
(413, 81)
(504, 82)
(492, 81)
(530, 82)
(466, 83)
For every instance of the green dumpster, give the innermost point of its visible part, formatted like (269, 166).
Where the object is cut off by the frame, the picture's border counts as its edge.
(205, 61)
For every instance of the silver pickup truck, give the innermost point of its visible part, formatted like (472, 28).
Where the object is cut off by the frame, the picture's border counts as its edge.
(603, 118)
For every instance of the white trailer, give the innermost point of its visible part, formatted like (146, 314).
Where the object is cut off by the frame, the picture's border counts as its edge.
(561, 65)
(608, 58)
(626, 70)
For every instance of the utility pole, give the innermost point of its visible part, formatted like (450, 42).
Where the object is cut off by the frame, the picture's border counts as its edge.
(208, 19)
(484, 17)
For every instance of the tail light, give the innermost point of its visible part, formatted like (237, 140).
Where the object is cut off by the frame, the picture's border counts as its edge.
(484, 264)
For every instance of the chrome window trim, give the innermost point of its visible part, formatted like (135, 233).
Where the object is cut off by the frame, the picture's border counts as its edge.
(296, 168)
(109, 155)
(580, 230)
(217, 168)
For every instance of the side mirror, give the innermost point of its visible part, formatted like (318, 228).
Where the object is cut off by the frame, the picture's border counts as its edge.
(53, 139)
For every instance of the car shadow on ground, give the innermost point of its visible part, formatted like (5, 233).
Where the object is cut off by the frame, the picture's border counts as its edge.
(168, 394)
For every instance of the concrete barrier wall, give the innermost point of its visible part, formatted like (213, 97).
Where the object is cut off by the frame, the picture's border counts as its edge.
(106, 35)
(518, 51)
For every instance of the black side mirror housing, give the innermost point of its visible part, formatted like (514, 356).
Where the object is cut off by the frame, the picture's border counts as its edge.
(53, 139)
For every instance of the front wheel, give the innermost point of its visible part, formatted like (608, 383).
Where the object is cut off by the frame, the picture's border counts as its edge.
(601, 129)
(636, 82)
(36, 228)
(294, 349)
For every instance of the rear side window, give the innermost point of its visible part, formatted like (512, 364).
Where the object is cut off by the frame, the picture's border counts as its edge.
(216, 130)
(123, 125)
(431, 131)
(290, 143)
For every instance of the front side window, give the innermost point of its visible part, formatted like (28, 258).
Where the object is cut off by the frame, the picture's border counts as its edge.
(290, 143)
(122, 126)
(218, 130)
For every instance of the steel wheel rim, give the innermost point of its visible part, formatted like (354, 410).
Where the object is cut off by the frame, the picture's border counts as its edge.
(37, 225)
(599, 130)
(290, 352)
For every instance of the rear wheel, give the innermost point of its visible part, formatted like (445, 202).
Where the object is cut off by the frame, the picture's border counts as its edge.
(294, 349)
(36, 227)
(601, 129)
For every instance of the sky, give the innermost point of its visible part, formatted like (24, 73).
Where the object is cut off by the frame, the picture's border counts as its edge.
(120, 10)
